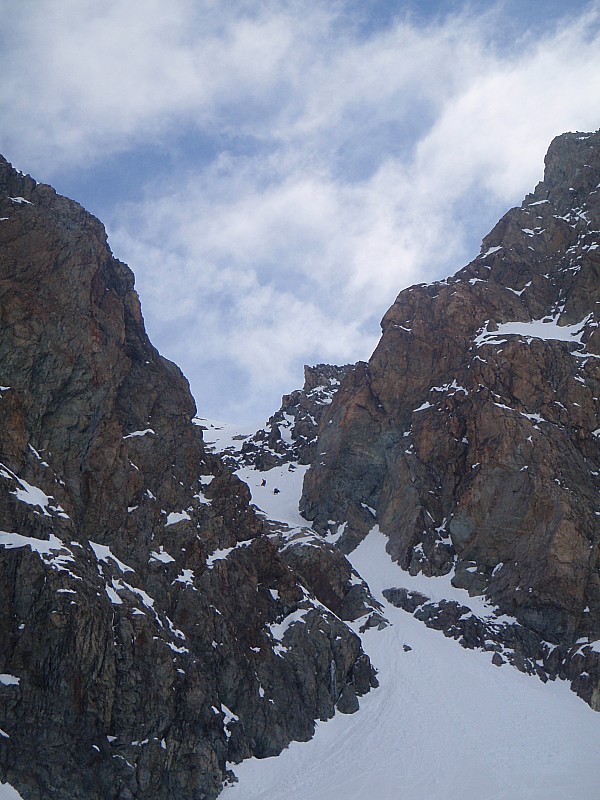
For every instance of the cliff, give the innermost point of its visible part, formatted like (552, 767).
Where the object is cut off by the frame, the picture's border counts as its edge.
(149, 630)
(471, 437)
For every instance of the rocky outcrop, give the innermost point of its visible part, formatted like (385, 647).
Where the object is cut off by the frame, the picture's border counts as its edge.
(290, 435)
(508, 641)
(289, 439)
(471, 437)
(150, 631)
(328, 574)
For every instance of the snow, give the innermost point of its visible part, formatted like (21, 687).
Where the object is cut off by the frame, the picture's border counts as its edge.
(333, 537)
(519, 292)
(423, 407)
(281, 505)
(491, 734)
(202, 499)
(176, 516)
(224, 435)
(547, 328)
(161, 555)
(222, 553)
(454, 385)
(139, 433)
(489, 251)
(32, 495)
(144, 596)
(7, 792)
(36, 454)
(42, 546)
(52, 551)
(285, 429)
(278, 629)
(113, 596)
(103, 553)
(445, 724)
(186, 577)
(229, 718)
(533, 417)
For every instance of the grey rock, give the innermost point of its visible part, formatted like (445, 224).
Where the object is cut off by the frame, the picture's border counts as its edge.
(138, 587)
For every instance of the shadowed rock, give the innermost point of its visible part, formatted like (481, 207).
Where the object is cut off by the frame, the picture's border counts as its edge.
(149, 630)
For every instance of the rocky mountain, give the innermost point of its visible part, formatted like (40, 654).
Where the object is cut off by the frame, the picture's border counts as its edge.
(471, 438)
(151, 634)
(165, 610)
(290, 435)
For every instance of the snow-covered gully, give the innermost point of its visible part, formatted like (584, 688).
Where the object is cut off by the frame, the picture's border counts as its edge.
(444, 724)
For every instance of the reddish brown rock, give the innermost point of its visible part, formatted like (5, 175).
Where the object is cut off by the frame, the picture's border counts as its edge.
(476, 452)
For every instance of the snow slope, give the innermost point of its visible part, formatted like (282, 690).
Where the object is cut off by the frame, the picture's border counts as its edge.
(279, 495)
(277, 491)
(7, 792)
(444, 724)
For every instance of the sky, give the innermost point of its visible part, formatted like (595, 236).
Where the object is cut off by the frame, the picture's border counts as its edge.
(275, 173)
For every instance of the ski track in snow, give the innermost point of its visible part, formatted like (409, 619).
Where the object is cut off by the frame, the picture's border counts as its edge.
(444, 724)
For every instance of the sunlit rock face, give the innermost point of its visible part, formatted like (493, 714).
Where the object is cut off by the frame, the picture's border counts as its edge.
(472, 436)
(150, 632)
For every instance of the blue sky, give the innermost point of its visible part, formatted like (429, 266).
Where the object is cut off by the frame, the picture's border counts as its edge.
(276, 172)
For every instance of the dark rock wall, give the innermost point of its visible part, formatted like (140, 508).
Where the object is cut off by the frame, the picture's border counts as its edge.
(149, 630)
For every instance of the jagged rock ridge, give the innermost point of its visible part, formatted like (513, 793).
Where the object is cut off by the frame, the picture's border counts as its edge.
(290, 435)
(150, 632)
(471, 437)
(286, 444)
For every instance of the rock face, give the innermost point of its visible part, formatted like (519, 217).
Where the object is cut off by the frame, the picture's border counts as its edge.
(472, 435)
(149, 630)
(289, 439)
(290, 435)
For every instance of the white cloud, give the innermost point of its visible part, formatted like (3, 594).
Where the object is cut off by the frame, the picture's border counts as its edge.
(84, 79)
(345, 167)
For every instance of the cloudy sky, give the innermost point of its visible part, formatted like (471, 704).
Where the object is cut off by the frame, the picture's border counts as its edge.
(276, 172)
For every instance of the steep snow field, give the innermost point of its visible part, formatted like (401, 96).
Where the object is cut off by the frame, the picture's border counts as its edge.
(277, 491)
(8, 793)
(444, 724)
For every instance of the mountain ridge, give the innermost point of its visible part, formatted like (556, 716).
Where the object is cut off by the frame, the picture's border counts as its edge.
(164, 616)
(150, 632)
(472, 432)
